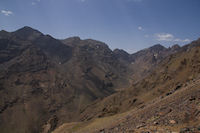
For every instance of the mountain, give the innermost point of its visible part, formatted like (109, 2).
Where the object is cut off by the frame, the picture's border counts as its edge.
(148, 58)
(46, 82)
(122, 55)
(167, 100)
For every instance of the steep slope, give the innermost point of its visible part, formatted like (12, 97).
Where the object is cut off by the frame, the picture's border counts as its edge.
(52, 47)
(171, 73)
(148, 59)
(45, 82)
(127, 98)
(99, 59)
(165, 101)
(178, 112)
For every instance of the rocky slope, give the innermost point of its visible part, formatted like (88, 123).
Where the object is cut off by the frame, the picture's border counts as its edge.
(178, 113)
(148, 58)
(45, 82)
(167, 100)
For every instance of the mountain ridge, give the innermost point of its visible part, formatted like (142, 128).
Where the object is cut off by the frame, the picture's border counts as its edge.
(167, 100)
(50, 82)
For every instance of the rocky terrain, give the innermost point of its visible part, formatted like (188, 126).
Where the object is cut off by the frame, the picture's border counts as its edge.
(75, 85)
(165, 101)
(178, 112)
(46, 81)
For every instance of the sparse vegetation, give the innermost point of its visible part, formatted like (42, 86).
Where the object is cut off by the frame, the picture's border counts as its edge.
(79, 86)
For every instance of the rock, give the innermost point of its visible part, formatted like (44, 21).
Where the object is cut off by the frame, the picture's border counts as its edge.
(192, 98)
(172, 122)
(102, 131)
(184, 130)
(116, 129)
(145, 132)
(141, 125)
(164, 112)
(169, 93)
(131, 131)
(198, 128)
(155, 123)
(177, 87)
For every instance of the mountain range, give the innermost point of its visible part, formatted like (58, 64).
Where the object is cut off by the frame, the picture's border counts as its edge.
(73, 85)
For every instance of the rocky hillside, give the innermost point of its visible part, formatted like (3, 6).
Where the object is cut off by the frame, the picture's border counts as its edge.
(167, 100)
(148, 58)
(45, 82)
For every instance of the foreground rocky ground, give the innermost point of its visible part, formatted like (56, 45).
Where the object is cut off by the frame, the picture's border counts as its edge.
(178, 112)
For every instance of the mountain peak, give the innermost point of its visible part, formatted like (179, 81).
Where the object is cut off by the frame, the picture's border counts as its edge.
(158, 47)
(27, 29)
(175, 47)
(3, 31)
(27, 33)
(77, 38)
(71, 40)
(120, 51)
(4, 34)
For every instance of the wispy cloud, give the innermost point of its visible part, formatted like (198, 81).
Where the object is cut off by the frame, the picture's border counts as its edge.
(169, 37)
(146, 36)
(82, 0)
(35, 2)
(140, 28)
(164, 37)
(180, 40)
(6, 12)
(135, 0)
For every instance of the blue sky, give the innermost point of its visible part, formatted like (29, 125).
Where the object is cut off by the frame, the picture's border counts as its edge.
(126, 24)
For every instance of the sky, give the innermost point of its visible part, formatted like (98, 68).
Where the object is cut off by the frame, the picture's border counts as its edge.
(131, 25)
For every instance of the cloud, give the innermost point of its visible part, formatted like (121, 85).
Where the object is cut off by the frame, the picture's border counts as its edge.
(33, 3)
(82, 0)
(169, 37)
(6, 12)
(135, 0)
(180, 40)
(164, 37)
(146, 36)
(140, 28)
(186, 40)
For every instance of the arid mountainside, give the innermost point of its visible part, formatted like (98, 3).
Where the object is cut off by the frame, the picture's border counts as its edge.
(178, 113)
(171, 73)
(149, 58)
(46, 82)
(146, 59)
(166, 100)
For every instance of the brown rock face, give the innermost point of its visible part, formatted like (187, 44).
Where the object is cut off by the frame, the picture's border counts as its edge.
(45, 82)
(41, 77)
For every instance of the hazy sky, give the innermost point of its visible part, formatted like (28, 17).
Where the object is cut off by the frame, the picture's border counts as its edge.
(126, 24)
